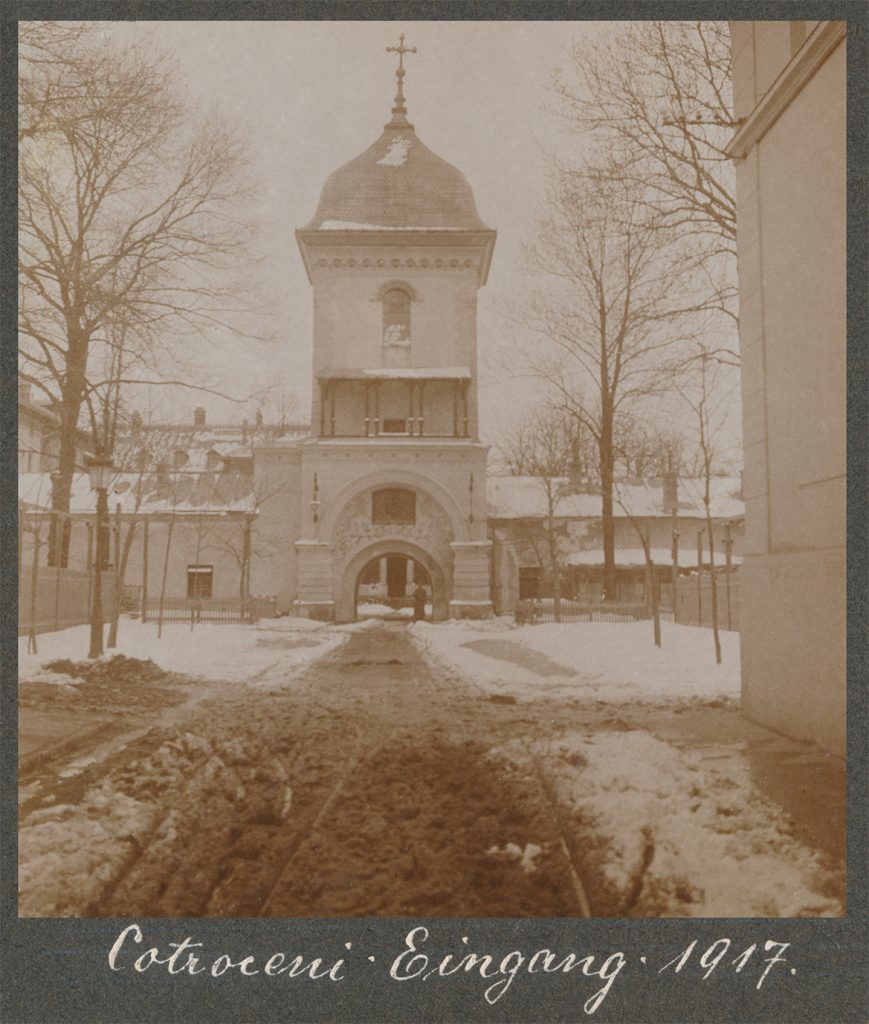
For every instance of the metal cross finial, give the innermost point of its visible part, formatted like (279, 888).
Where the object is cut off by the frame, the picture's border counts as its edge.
(401, 50)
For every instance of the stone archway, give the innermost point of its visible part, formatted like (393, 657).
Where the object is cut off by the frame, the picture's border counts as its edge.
(345, 597)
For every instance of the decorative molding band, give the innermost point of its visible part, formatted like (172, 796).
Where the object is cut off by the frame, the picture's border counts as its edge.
(380, 264)
(811, 55)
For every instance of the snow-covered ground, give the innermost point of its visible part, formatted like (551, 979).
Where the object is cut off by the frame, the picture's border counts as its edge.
(375, 608)
(218, 651)
(663, 832)
(703, 842)
(607, 661)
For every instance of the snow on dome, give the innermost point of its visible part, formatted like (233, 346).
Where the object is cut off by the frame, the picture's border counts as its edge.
(396, 155)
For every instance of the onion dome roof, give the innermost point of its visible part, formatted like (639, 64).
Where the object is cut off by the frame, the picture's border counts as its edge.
(397, 184)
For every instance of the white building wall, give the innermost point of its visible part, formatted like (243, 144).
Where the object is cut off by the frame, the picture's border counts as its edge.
(791, 255)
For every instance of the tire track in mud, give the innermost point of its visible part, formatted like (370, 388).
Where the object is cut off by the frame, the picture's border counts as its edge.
(370, 787)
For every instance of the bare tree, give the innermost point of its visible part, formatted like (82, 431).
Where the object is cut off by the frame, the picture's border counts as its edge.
(129, 220)
(553, 437)
(656, 97)
(618, 303)
(709, 404)
(651, 581)
(242, 547)
(49, 81)
(548, 446)
(645, 448)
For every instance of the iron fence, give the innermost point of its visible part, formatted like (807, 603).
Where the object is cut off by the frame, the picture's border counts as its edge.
(214, 609)
(50, 598)
(543, 610)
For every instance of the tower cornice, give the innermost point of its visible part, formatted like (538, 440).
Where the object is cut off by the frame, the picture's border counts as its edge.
(309, 239)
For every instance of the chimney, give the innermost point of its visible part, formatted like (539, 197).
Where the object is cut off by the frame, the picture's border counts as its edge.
(670, 491)
(575, 481)
(199, 416)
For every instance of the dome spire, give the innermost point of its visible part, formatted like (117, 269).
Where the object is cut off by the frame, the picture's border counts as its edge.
(399, 111)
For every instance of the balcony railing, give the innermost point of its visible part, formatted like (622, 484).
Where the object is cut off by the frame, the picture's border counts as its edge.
(390, 420)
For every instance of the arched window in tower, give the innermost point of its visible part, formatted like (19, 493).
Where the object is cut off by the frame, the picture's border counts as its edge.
(396, 317)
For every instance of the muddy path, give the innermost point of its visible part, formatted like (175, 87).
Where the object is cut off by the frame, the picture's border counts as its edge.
(371, 786)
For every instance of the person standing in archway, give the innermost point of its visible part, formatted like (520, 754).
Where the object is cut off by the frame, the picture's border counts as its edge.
(419, 598)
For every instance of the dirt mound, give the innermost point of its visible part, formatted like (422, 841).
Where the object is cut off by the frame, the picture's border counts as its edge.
(118, 669)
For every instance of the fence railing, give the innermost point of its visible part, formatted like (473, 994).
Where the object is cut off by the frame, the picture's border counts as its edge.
(182, 609)
(694, 601)
(543, 610)
(62, 598)
(214, 609)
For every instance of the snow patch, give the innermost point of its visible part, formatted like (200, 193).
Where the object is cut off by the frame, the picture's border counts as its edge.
(396, 155)
(603, 661)
(693, 841)
(220, 651)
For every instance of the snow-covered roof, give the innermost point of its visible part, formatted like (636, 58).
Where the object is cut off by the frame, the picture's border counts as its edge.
(524, 497)
(184, 493)
(630, 557)
(422, 373)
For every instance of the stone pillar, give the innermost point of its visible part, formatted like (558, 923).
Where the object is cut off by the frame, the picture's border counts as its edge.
(315, 600)
(472, 596)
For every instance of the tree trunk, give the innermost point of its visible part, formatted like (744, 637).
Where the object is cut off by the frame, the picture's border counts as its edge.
(714, 587)
(121, 570)
(72, 391)
(163, 580)
(100, 560)
(609, 533)
(651, 588)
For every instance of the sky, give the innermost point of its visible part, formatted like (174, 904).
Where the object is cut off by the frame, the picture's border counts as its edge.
(309, 96)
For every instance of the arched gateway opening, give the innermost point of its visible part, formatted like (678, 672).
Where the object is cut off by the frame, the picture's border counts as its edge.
(394, 587)
(381, 580)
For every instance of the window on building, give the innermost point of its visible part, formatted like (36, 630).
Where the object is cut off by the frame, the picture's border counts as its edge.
(394, 426)
(396, 317)
(393, 505)
(529, 583)
(200, 580)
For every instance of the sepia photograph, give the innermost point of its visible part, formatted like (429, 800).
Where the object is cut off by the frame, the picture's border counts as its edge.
(431, 469)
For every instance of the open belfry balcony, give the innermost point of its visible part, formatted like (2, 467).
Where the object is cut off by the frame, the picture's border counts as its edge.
(393, 403)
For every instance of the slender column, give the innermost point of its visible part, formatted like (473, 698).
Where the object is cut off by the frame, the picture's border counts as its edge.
(323, 390)
(366, 394)
(411, 388)
(464, 408)
(421, 407)
(332, 389)
(455, 408)
(376, 408)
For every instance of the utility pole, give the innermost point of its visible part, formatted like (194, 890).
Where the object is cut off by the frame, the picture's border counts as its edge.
(728, 552)
(675, 560)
